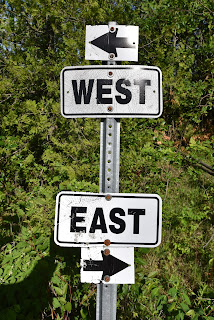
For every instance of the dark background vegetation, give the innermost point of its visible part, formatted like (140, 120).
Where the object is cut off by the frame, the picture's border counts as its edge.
(42, 153)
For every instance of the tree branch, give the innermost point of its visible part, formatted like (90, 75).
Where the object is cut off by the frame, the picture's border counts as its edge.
(200, 164)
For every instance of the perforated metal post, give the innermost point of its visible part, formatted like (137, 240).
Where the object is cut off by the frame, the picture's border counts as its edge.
(109, 182)
(106, 306)
(109, 155)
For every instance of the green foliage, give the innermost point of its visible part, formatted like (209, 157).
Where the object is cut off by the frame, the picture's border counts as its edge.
(41, 153)
(154, 297)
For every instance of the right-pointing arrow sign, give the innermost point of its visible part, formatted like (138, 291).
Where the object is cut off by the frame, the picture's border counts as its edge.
(112, 265)
(109, 265)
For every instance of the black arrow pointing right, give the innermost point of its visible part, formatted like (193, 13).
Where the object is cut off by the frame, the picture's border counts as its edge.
(109, 265)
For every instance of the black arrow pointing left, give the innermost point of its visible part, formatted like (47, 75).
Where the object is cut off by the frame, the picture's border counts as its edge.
(109, 42)
(109, 265)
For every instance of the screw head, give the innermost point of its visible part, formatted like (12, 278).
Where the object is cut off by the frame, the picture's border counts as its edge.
(110, 73)
(110, 108)
(106, 278)
(112, 29)
(106, 252)
(111, 56)
(107, 242)
(108, 197)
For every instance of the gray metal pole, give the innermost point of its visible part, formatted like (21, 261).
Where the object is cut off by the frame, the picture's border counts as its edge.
(106, 306)
(109, 155)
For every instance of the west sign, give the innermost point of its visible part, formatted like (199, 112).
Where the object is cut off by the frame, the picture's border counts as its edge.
(89, 219)
(111, 91)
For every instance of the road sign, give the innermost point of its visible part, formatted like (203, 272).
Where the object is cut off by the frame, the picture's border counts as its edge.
(107, 265)
(111, 42)
(90, 219)
(111, 91)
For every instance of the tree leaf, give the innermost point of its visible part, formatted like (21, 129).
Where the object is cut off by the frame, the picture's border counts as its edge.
(172, 307)
(56, 303)
(184, 307)
(155, 292)
(187, 300)
(68, 306)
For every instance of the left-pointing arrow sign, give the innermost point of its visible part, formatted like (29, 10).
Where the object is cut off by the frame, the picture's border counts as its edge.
(109, 265)
(109, 42)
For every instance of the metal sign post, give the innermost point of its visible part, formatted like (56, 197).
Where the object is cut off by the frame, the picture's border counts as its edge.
(106, 304)
(107, 226)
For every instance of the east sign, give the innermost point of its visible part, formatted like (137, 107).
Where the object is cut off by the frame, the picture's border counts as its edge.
(88, 219)
(111, 91)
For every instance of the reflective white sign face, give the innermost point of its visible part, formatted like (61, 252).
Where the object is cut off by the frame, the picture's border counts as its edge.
(111, 91)
(111, 42)
(107, 265)
(88, 219)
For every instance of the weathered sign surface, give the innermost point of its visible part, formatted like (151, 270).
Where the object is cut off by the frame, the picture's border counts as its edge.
(107, 265)
(88, 219)
(111, 91)
(111, 42)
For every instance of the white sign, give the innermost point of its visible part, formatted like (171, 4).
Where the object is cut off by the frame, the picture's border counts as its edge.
(90, 219)
(113, 42)
(107, 265)
(111, 91)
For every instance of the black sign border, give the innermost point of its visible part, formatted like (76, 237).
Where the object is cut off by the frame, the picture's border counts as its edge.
(132, 244)
(108, 114)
